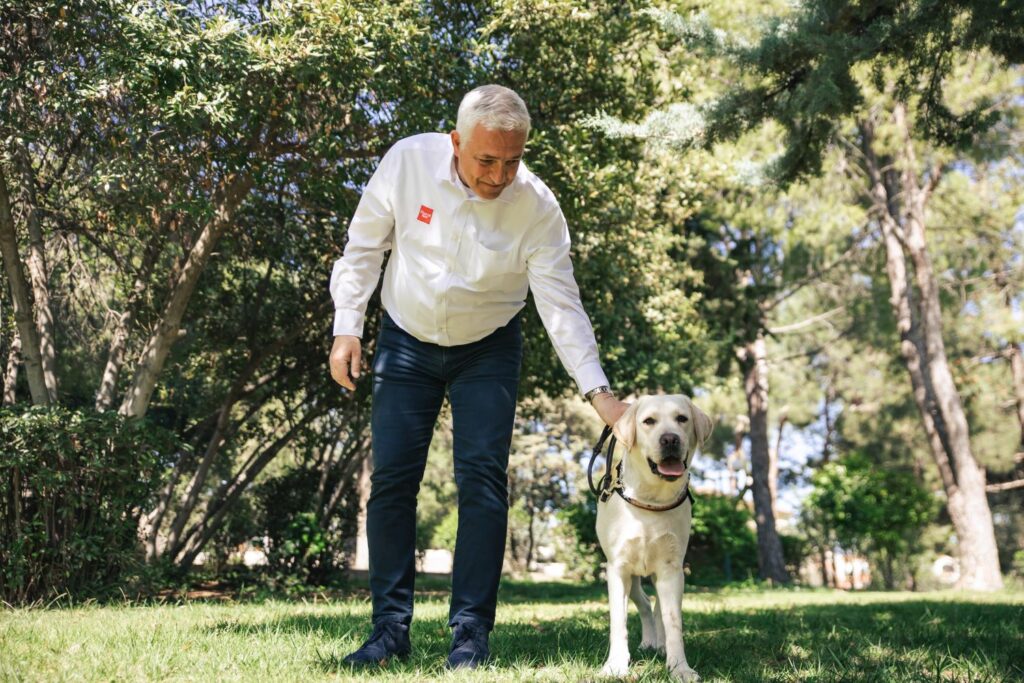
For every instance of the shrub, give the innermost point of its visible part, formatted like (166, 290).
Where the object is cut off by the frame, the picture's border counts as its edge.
(73, 484)
(723, 546)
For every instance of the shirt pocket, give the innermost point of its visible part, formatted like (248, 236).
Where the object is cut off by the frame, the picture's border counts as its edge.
(488, 262)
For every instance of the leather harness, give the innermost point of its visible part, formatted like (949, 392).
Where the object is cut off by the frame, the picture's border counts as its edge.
(607, 485)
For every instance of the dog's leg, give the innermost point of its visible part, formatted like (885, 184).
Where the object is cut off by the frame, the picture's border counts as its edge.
(618, 653)
(649, 638)
(670, 602)
(659, 623)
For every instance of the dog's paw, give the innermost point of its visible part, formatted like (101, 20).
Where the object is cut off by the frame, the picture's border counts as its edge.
(615, 667)
(651, 643)
(685, 674)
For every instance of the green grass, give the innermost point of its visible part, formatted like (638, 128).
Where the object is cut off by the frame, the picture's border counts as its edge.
(545, 632)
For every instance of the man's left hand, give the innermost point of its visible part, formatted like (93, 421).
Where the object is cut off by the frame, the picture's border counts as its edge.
(609, 408)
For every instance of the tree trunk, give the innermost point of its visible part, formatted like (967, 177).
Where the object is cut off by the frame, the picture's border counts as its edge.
(1017, 368)
(38, 274)
(530, 540)
(354, 457)
(11, 372)
(221, 432)
(924, 356)
(830, 427)
(30, 345)
(888, 572)
(734, 461)
(202, 531)
(770, 561)
(773, 462)
(362, 546)
(823, 554)
(154, 355)
(123, 325)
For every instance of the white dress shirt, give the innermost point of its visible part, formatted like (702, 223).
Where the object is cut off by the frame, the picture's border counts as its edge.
(460, 265)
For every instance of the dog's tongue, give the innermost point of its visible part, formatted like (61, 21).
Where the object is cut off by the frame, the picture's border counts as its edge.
(672, 468)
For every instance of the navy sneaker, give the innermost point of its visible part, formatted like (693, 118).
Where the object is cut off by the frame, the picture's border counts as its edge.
(469, 646)
(389, 639)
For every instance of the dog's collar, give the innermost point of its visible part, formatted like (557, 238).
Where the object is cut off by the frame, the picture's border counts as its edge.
(620, 489)
(606, 487)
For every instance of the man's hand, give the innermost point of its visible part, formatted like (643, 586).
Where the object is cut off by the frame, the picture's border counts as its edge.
(345, 357)
(609, 408)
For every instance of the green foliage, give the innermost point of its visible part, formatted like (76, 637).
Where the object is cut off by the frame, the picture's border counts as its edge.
(872, 509)
(546, 474)
(137, 116)
(73, 484)
(579, 521)
(723, 544)
(805, 70)
(300, 545)
(445, 533)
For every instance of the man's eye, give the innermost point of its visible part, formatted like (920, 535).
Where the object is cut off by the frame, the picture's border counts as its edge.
(682, 419)
(649, 421)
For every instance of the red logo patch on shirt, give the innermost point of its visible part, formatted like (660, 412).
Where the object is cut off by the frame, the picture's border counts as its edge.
(425, 214)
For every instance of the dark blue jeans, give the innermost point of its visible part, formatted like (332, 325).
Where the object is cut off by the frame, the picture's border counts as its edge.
(410, 378)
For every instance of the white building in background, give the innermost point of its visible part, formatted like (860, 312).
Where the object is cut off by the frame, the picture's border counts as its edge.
(843, 569)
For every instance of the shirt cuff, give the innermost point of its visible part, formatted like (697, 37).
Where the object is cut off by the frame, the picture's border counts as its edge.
(348, 321)
(590, 376)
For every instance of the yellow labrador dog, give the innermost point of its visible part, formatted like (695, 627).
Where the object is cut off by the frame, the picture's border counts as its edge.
(642, 529)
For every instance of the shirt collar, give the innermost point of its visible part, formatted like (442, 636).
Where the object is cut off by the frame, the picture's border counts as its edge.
(446, 173)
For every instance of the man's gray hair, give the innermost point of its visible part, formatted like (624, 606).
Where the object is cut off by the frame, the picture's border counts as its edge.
(494, 107)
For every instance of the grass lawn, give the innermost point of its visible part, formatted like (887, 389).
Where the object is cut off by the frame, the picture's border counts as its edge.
(545, 632)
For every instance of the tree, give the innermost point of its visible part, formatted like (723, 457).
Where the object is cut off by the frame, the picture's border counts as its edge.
(871, 508)
(827, 64)
(194, 166)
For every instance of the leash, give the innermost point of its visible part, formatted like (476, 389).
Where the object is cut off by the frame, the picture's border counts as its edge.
(606, 488)
(603, 492)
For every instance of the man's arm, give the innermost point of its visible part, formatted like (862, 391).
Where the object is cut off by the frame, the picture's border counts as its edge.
(356, 273)
(549, 269)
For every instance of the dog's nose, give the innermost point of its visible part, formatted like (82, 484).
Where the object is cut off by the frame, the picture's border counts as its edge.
(669, 441)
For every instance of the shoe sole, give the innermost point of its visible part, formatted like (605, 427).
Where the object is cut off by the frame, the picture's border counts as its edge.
(375, 664)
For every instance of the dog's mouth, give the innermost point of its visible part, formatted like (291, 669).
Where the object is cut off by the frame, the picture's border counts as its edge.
(670, 468)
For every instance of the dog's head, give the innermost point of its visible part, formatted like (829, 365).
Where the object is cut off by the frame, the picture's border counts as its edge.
(661, 433)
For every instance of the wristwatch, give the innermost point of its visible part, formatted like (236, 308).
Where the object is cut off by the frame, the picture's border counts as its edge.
(593, 393)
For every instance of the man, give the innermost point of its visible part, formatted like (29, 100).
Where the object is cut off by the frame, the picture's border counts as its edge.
(469, 229)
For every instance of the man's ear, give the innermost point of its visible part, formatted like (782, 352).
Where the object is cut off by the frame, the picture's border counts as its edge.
(625, 428)
(702, 424)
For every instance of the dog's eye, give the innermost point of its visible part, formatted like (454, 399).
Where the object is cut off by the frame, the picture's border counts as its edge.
(682, 419)
(649, 421)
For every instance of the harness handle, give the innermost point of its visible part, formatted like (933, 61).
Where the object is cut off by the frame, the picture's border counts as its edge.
(607, 478)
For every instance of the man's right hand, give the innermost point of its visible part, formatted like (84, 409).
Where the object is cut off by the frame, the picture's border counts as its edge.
(345, 358)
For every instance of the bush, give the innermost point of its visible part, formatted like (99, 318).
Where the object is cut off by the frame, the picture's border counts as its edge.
(301, 545)
(583, 554)
(723, 546)
(73, 484)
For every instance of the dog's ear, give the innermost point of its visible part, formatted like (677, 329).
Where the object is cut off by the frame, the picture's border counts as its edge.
(702, 424)
(625, 428)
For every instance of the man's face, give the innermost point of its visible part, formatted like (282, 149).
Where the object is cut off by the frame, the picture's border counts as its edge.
(488, 161)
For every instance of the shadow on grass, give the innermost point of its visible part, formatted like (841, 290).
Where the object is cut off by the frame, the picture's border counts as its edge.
(879, 641)
(518, 592)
